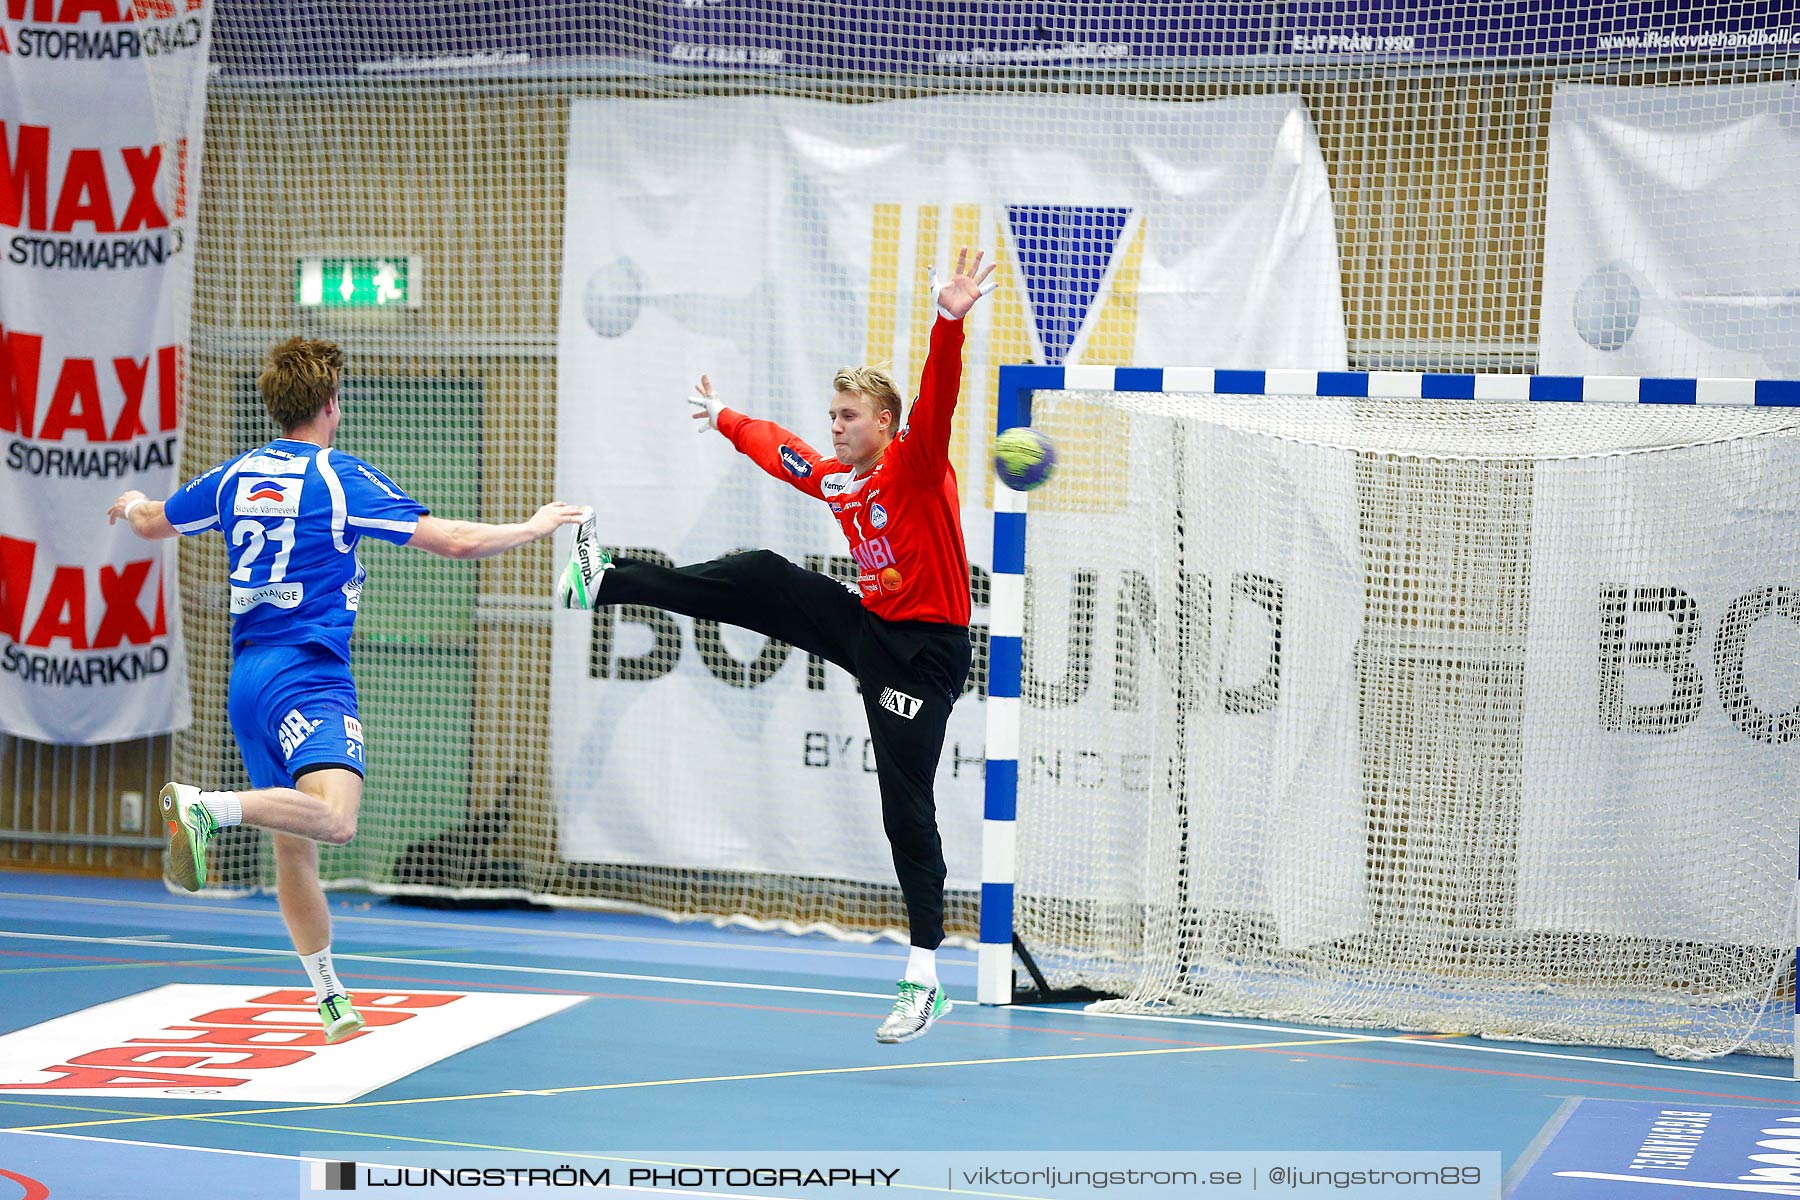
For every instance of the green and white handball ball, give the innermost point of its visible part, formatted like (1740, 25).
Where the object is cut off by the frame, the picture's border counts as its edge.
(1024, 458)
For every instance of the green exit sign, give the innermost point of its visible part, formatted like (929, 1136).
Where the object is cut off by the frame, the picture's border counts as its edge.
(390, 281)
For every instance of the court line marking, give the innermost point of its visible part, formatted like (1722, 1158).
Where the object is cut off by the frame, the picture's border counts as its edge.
(414, 981)
(227, 1117)
(963, 957)
(1469, 1043)
(455, 964)
(1534, 1149)
(281, 959)
(48, 1102)
(1082, 1035)
(1301, 1049)
(112, 1141)
(1462, 1042)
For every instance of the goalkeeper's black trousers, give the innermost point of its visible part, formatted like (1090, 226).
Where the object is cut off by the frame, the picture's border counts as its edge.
(911, 673)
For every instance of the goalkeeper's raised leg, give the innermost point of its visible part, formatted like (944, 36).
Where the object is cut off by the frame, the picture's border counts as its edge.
(588, 561)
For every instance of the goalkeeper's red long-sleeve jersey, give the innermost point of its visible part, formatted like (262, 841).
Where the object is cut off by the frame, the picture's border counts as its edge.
(903, 519)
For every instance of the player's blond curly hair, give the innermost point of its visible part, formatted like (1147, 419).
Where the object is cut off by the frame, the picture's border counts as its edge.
(299, 377)
(876, 384)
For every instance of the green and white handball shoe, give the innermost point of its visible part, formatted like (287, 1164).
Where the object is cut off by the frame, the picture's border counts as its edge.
(915, 1010)
(339, 1017)
(589, 560)
(190, 827)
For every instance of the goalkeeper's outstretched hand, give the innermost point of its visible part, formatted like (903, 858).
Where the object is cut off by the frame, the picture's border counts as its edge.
(970, 283)
(707, 405)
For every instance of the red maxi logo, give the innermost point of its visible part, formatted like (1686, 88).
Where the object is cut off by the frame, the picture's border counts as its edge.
(185, 1039)
(84, 191)
(62, 614)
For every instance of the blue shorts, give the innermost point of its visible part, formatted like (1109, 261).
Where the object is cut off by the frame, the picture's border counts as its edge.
(293, 709)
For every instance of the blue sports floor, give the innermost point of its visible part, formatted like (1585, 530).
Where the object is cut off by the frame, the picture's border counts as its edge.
(691, 1041)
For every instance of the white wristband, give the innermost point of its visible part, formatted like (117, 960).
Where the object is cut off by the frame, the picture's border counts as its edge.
(132, 505)
(936, 285)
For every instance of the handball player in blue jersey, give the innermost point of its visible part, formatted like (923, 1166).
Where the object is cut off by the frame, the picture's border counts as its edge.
(292, 512)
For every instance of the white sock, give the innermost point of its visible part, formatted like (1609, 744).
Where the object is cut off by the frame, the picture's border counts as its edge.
(224, 807)
(921, 967)
(324, 975)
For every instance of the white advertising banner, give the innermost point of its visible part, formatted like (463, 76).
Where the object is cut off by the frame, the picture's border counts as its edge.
(1672, 232)
(1268, 727)
(1657, 748)
(1671, 248)
(102, 109)
(770, 252)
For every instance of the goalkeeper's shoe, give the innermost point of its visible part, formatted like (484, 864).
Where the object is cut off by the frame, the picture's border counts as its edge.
(340, 1017)
(190, 827)
(918, 1006)
(587, 562)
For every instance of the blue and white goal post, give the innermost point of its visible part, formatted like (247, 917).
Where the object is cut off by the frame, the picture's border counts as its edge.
(1632, 716)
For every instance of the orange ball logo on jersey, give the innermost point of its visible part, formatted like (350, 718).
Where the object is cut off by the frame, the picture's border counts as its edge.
(890, 580)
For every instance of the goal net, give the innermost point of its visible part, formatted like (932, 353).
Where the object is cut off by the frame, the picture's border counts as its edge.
(424, 152)
(1453, 715)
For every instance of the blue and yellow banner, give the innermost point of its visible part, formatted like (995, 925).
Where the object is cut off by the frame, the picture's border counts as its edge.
(768, 242)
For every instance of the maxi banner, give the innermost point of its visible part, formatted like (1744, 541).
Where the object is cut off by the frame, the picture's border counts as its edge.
(101, 114)
(769, 242)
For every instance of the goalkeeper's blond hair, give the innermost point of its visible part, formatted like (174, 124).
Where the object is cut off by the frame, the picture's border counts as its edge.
(299, 377)
(876, 384)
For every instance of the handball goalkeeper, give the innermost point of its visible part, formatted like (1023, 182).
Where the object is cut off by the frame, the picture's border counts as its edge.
(903, 632)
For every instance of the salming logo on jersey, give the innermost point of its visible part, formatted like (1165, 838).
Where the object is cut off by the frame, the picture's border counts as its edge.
(293, 730)
(901, 704)
(270, 461)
